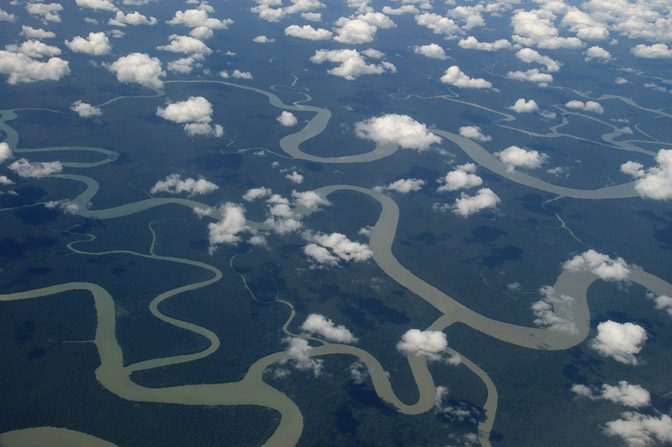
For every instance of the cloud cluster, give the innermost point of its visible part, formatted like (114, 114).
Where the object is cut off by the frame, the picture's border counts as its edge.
(599, 264)
(185, 44)
(36, 33)
(138, 68)
(404, 186)
(517, 157)
(97, 5)
(528, 55)
(330, 249)
(431, 50)
(536, 29)
(34, 49)
(64, 205)
(24, 69)
(185, 65)
(307, 32)
(639, 430)
(351, 63)
(655, 182)
(458, 413)
(48, 11)
(655, 51)
(474, 133)
(455, 77)
(629, 395)
(174, 184)
(85, 110)
(401, 130)
(96, 44)
(294, 177)
(287, 119)
(431, 344)
(298, 352)
(471, 43)
(361, 29)
(438, 24)
(229, 228)
(195, 113)
(201, 24)
(620, 341)
(320, 325)
(523, 106)
(23, 168)
(589, 106)
(132, 18)
(532, 75)
(461, 177)
(554, 312)
(467, 205)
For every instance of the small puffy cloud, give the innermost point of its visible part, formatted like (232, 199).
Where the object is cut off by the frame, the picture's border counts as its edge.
(454, 76)
(401, 130)
(174, 184)
(23, 168)
(523, 106)
(554, 312)
(4, 180)
(263, 39)
(532, 75)
(5, 152)
(138, 68)
(474, 133)
(36, 33)
(620, 341)
(517, 157)
(467, 205)
(196, 109)
(203, 130)
(294, 177)
(132, 18)
(85, 110)
(655, 51)
(312, 16)
(663, 302)
(655, 182)
(194, 18)
(298, 352)
(6, 16)
(598, 53)
(23, 69)
(256, 193)
(639, 430)
(431, 344)
(95, 44)
(584, 25)
(329, 249)
(185, 44)
(599, 264)
(536, 28)
(98, 5)
(309, 200)
(35, 49)
(287, 119)
(352, 63)
(307, 32)
(201, 33)
(185, 65)
(354, 31)
(404, 186)
(48, 11)
(320, 325)
(528, 55)
(241, 74)
(461, 177)
(64, 205)
(629, 395)
(471, 43)
(589, 106)
(229, 228)
(432, 50)
(438, 24)
(403, 9)
(620, 80)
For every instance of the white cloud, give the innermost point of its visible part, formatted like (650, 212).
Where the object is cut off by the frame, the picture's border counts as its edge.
(431, 344)
(132, 18)
(655, 182)
(351, 63)
(589, 106)
(23, 168)
(516, 157)
(474, 133)
(309, 200)
(287, 119)
(432, 50)
(620, 80)
(35, 49)
(470, 15)
(185, 44)
(256, 193)
(620, 341)
(655, 51)
(95, 44)
(596, 52)
(397, 129)
(229, 228)
(6, 16)
(320, 325)
(23, 69)
(460, 177)
(203, 130)
(639, 430)
(307, 32)
(196, 109)
(404, 186)
(85, 110)
(98, 5)
(523, 106)
(295, 177)
(331, 248)
(174, 184)
(263, 39)
(265, 12)
(536, 28)
(403, 9)
(663, 302)
(528, 55)
(64, 205)
(438, 24)
(629, 395)
(48, 11)
(36, 33)
(201, 33)
(532, 75)
(194, 18)
(584, 25)
(185, 64)
(242, 74)
(361, 29)
(4, 180)
(454, 76)
(471, 43)
(320, 255)
(467, 205)
(550, 309)
(5, 152)
(599, 264)
(312, 16)
(298, 352)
